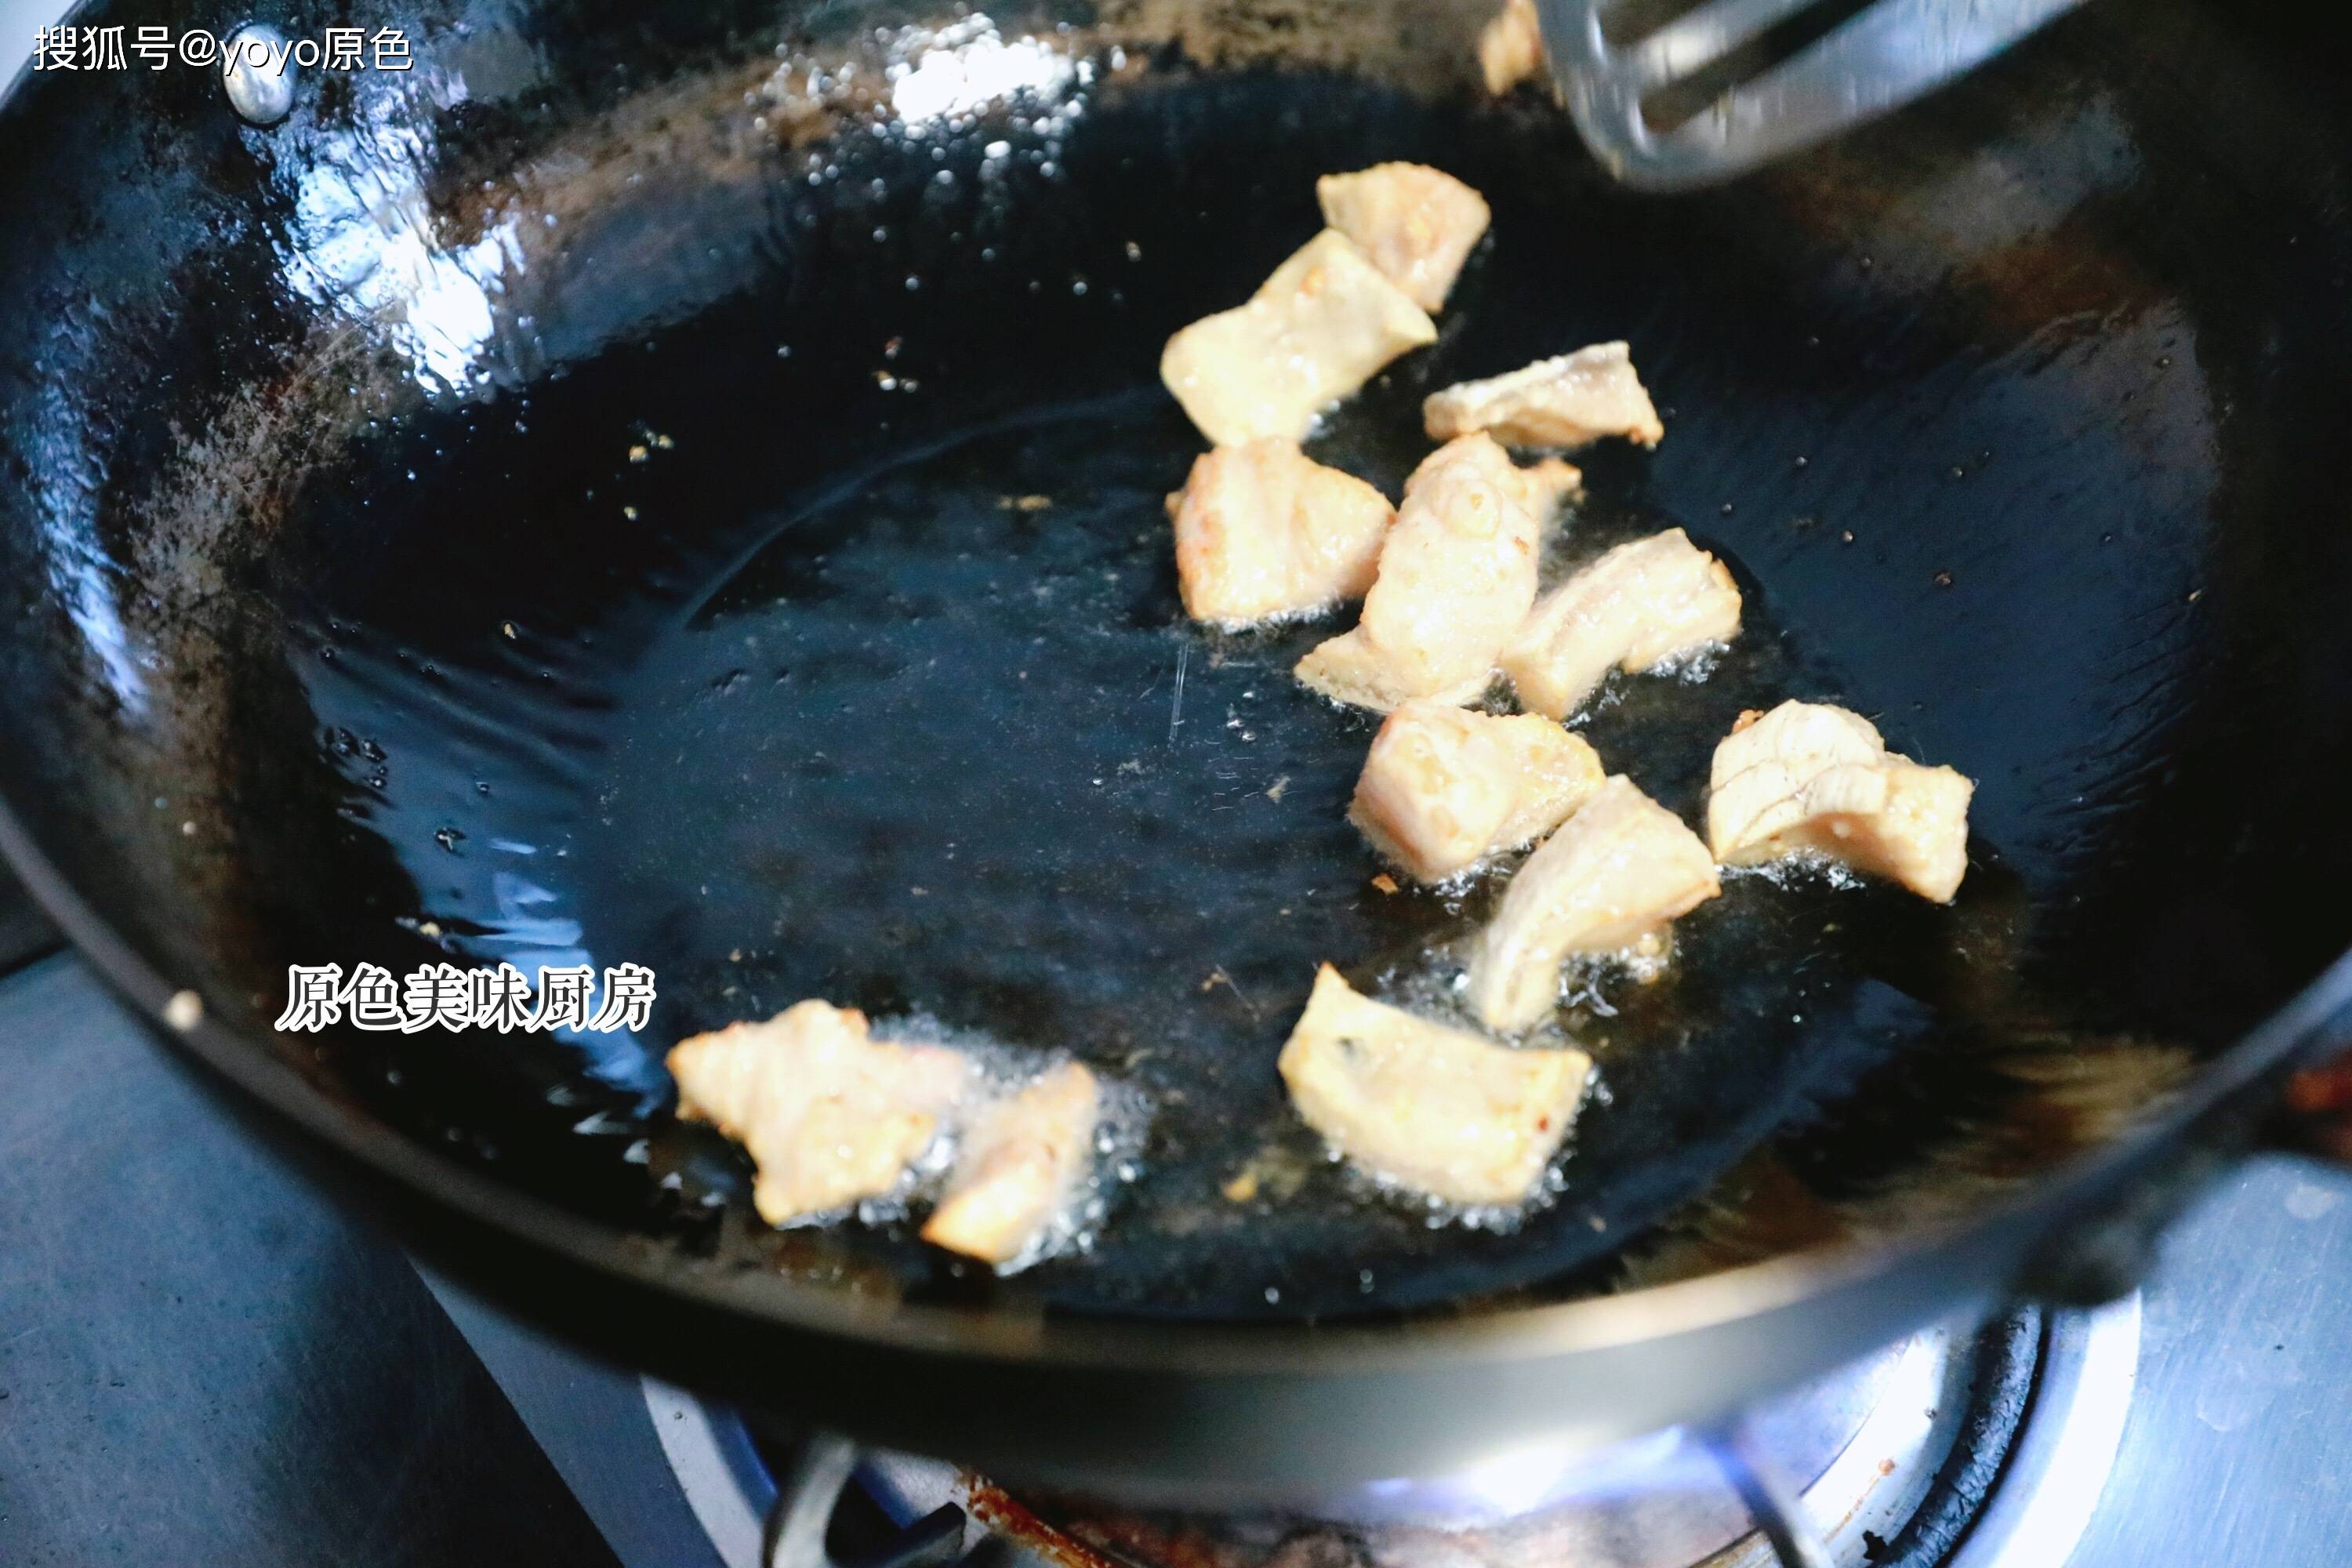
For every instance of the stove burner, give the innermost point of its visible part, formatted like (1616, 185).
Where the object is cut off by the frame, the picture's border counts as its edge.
(1983, 1451)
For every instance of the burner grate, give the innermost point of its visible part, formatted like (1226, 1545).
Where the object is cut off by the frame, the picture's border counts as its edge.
(1980, 1451)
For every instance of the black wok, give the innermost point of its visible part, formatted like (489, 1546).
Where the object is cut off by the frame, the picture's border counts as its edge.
(567, 501)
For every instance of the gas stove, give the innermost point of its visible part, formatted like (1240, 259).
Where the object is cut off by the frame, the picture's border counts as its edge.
(206, 1363)
(1991, 1449)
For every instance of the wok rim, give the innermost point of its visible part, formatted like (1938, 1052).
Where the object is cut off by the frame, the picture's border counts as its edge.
(1151, 1346)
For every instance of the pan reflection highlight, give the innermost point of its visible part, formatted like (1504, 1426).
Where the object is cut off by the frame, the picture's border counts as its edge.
(84, 575)
(946, 77)
(367, 244)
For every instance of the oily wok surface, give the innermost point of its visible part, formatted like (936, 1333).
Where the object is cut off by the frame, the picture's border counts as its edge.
(704, 514)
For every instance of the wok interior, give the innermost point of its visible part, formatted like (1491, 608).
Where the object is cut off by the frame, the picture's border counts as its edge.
(597, 528)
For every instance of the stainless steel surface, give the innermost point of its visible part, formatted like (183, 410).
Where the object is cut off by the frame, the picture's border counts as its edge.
(729, 1489)
(1772, 1499)
(2236, 1449)
(2059, 1473)
(1879, 1481)
(593, 1424)
(807, 1493)
(2051, 1478)
(1893, 52)
(204, 1363)
(2197, 1425)
(1897, 1429)
(1665, 1490)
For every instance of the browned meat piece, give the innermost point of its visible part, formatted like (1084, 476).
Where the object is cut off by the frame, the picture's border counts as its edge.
(1443, 787)
(829, 1114)
(1436, 1110)
(1457, 575)
(1638, 606)
(1417, 224)
(1812, 777)
(1020, 1165)
(1320, 327)
(1511, 46)
(1618, 870)
(1262, 530)
(1549, 482)
(1569, 401)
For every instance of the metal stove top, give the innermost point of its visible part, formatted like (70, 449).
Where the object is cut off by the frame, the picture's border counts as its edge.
(200, 1362)
(1988, 1449)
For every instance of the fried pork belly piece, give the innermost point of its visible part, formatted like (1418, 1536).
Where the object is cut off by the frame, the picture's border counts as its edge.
(1443, 787)
(1550, 483)
(1810, 776)
(1616, 872)
(829, 1114)
(1320, 327)
(1510, 47)
(1457, 575)
(1417, 224)
(1262, 530)
(1437, 1110)
(1640, 604)
(1020, 1163)
(1571, 401)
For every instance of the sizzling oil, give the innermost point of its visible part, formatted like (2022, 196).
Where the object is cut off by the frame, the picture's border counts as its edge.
(827, 645)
